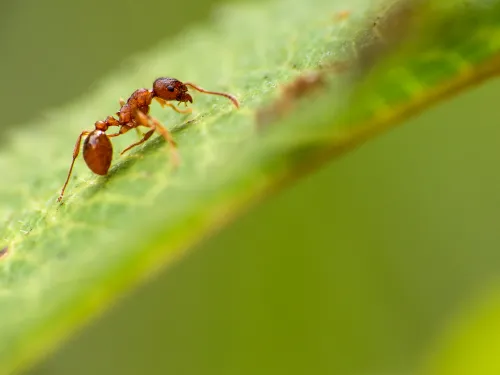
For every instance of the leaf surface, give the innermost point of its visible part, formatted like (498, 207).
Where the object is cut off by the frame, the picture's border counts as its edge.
(64, 263)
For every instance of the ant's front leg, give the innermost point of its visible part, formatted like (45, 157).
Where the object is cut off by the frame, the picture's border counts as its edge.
(164, 104)
(76, 152)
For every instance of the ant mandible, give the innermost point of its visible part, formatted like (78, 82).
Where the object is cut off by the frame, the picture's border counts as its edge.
(97, 147)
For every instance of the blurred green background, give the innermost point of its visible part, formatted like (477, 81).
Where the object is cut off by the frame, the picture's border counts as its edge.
(356, 269)
(52, 51)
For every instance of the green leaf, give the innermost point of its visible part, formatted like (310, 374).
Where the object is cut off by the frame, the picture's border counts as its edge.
(67, 262)
(471, 342)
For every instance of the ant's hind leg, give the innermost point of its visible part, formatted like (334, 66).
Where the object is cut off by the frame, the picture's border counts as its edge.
(123, 130)
(164, 104)
(144, 139)
(156, 125)
(76, 152)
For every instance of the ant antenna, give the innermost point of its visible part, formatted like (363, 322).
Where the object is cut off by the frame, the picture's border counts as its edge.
(229, 96)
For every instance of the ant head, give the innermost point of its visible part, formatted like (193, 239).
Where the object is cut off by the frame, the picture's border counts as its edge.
(171, 89)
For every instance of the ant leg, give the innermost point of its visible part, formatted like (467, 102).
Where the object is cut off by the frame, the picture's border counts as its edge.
(123, 130)
(145, 121)
(229, 96)
(76, 152)
(122, 102)
(164, 104)
(144, 139)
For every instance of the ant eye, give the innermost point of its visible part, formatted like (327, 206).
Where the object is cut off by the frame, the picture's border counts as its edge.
(170, 88)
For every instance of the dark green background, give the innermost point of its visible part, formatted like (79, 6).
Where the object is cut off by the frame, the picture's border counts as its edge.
(355, 269)
(52, 51)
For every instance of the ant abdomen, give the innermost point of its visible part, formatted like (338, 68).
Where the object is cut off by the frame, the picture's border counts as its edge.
(98, 152)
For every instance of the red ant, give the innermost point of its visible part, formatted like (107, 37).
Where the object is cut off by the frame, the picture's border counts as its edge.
(97, 147)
